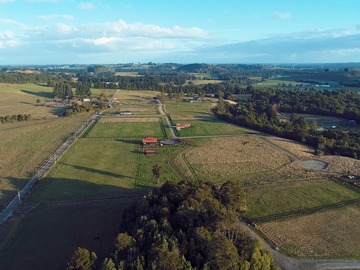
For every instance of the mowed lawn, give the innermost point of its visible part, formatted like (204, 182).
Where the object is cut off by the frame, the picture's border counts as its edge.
(91, 168)
(265, 200)
(47, 236)
(212, 127)
(126, 129)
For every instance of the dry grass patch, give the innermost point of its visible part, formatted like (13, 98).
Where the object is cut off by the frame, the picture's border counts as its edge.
(342, 165)
(325, 234)
(301, 151)
(227, 157)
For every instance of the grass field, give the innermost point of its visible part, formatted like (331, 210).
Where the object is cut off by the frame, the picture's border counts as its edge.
(232, 158)
(126, 129)
(265, 200)
(21, 99)
(329, 234)
(212, 127)
(27, 146)
(188, 108)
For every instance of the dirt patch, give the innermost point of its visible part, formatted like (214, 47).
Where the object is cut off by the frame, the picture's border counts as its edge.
(127, 120)
(313, 164)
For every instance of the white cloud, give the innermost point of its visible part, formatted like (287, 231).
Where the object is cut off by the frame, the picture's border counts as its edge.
(86, 5)
(12, 22)
(8, 39)
(281, 16)
(55, 17)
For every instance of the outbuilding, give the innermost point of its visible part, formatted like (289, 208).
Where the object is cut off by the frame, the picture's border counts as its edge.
(149, 140)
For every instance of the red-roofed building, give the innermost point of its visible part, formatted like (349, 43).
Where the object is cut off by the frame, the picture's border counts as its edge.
(149, 152)
(149, 140)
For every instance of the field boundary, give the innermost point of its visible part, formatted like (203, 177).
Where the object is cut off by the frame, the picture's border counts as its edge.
(303, 212)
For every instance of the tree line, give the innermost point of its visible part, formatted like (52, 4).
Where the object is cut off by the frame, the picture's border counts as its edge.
(15, 118)
(183, 226)
(261, 113)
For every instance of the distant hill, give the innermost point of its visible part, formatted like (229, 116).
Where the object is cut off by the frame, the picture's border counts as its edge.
(202, 68)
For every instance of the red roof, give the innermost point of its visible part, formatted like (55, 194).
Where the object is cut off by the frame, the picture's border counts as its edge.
(149, 140)
(150, 152)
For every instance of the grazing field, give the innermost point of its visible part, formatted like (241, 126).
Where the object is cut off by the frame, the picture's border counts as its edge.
(188, 108)
(46, 237)
(25, 146)
(221, 159)
(126, 129)
(22, 99)
(266, 200)
(207, 127)
(328, 234)
(91, 168)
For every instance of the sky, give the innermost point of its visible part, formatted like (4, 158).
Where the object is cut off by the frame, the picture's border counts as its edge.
(42, 32)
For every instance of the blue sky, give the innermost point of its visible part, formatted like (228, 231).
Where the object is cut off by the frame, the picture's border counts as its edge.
(182, 31)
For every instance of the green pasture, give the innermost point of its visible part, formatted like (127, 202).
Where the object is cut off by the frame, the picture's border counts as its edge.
(187, 108)
(208, 127)
(25, 146)
(265, 200)
(46, 237)
(126, 129)
(91, 168)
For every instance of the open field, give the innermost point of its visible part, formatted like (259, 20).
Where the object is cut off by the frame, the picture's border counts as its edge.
(221, 159)
(275, 198)
(91, 168)
(27, 146)
(211, 126)
(328, 234)
(47, 236)
(126, 129)
(21, 99)
(188, 108)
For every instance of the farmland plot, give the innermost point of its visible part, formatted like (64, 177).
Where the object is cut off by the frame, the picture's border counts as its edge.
(222, 159)
(328, 234)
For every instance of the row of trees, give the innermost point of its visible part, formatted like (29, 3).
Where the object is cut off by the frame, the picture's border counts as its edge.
(15, 118)
(189, 225)
(63, 89)
(261, 115)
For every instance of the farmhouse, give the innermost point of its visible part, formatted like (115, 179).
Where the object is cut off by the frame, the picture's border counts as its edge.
(149, 140)
(182, 126)
(149, 152)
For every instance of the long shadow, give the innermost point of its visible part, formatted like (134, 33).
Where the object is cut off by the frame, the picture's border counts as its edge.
(128, 141)
(38, 94)
(92, 170)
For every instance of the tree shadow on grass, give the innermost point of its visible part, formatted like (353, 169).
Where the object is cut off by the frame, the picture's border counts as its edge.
(92, 170)
(38, 94)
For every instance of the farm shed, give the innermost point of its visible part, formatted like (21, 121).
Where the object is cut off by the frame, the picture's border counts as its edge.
(182, 126)
(149, 140)
(149, 152)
